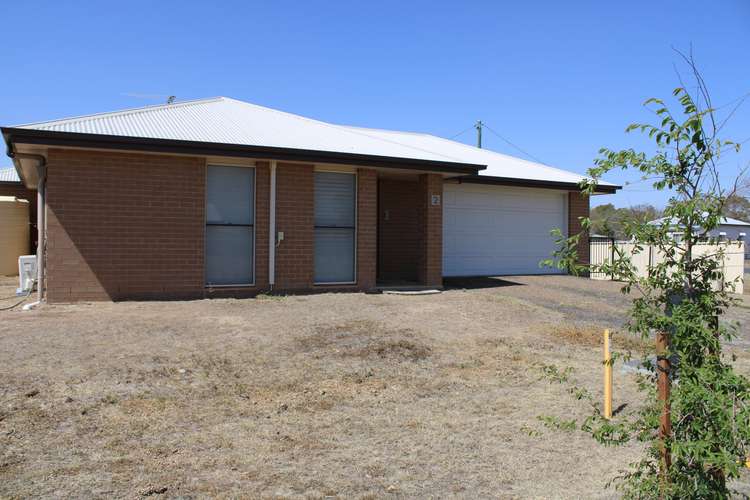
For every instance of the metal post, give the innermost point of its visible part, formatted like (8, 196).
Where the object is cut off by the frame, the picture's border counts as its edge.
(607, 377)
(41, 222)
(272, 226)
(478, 126)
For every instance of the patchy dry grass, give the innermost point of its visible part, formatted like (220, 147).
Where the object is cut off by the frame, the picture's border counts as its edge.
(593, 336)
(337, 395)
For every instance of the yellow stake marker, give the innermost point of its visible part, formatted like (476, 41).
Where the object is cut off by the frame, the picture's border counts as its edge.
(607, 377)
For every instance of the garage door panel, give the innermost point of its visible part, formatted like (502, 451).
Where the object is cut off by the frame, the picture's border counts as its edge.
(479, 197)
(473, 244)
(478, 265)
(496, 230)
(540, 205)
(502, 225)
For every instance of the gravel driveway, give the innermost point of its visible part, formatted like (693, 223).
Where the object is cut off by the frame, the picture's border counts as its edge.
(331, 395)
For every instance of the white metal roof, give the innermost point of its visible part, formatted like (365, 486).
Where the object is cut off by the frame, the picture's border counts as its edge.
(498, 164)
(9, 174)
(725, 221)
(229, 121)
(728, 221)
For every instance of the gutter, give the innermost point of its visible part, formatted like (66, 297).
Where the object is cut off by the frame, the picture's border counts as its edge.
(99, 141)
(41, 202)
(512, 181)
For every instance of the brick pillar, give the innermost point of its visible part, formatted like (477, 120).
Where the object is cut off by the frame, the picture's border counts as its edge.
(578, 208)
(367, 225)
(262, 207)
(430, 268)
(295, 210)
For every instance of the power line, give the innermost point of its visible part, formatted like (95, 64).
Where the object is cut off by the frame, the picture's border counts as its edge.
(512, 145)
(462, 132)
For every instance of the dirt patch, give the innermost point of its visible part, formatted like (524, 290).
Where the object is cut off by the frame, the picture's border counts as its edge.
(335, 395)
(365, 339)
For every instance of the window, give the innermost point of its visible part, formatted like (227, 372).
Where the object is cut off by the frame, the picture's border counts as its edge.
(335, 214)
(230, 232)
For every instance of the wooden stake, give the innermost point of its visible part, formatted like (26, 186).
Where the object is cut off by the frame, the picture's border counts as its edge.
(663, 370)
(607, 377)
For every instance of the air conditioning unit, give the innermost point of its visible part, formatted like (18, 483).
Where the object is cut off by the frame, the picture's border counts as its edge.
(26, 274)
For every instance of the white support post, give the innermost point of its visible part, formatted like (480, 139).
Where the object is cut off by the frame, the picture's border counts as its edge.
(272, 228)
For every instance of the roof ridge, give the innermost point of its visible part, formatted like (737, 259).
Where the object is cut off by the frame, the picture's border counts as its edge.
(409, 146)
(345, 128)
(127, 111)
(538, 164)
(293, 115)
(391, 131)
(473, 148)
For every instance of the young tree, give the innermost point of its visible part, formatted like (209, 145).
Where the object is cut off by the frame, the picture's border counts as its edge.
(698, 432)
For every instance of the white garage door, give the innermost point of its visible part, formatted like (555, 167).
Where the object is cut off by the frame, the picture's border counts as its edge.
(497, 230)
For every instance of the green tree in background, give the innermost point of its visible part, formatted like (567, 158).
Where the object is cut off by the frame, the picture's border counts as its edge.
(738, 207)
(606, 220)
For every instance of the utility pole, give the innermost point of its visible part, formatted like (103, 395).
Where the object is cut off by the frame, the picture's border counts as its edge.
(479, 126)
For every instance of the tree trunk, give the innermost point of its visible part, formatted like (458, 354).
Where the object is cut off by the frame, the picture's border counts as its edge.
(664, 367)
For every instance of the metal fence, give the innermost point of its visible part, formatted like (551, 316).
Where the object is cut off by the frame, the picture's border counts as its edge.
(603, 252)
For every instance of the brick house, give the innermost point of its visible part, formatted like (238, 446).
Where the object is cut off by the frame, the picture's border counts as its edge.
(219, 197)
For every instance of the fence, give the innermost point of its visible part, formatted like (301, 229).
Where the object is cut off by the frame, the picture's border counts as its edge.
(603, 252)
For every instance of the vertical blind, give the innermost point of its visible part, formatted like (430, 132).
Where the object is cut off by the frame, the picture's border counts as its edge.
(230, 218)
(335, 212)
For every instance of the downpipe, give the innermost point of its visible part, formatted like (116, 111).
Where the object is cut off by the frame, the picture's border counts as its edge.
(41, 202)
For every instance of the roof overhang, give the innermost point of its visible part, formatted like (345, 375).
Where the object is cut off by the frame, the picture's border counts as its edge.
(537, 183)
(15, 137)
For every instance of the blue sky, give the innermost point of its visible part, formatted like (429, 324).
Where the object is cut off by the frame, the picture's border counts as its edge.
(558, 79)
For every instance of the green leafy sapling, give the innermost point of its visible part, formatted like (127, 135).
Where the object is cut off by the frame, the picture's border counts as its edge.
(680, 296)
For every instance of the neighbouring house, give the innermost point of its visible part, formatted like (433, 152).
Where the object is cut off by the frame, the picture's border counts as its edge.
(218, 197)
(11, 185)
(729, 229)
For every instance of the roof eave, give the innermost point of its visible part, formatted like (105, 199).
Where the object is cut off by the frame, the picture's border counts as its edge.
(16, 163)
(512, 181)
(13, 135)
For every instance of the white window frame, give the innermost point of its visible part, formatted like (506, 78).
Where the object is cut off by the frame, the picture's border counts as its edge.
(356, 226)
(205, 224)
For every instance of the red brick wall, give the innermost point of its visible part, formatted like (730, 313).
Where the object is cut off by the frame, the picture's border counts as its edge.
(130, 226)
(399, 235)
(430, 270)
(124, 226)
(578, 208)
(295, 189)
(19, 191)
(367, 223)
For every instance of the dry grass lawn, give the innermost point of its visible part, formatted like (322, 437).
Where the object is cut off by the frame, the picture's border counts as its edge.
(333, 395)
